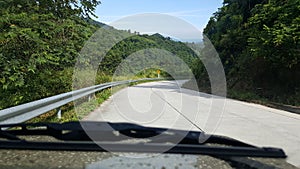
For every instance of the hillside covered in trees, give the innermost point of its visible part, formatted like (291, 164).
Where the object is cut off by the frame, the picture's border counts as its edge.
(258, 42)
(40, 41)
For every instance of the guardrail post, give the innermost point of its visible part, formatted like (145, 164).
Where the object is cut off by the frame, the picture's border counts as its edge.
(59, 113)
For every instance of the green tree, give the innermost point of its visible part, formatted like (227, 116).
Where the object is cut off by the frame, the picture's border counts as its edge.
(258, 43)
(39, 41)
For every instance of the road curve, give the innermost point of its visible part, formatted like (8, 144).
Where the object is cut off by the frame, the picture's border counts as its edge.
(166, 104)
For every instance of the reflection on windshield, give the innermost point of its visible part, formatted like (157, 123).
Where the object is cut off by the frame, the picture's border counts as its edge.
(227, 67)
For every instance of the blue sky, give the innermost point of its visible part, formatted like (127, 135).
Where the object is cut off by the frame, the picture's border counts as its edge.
(196, 12)
(140, 16)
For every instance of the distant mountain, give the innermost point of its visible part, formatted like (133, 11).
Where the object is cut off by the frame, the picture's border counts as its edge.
(97, 23)
(158, 35)
(137, 42)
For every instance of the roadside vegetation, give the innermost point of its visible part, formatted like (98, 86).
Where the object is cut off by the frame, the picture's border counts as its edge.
(258, 42)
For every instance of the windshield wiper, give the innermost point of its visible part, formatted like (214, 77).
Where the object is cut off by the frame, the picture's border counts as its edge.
(72, 136)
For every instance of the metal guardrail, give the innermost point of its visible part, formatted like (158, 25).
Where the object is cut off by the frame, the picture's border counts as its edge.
(289, 108)
(33, 109)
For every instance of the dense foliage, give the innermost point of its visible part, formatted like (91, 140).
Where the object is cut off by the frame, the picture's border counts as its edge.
(259, 44)
(140, 42)
(41, 39)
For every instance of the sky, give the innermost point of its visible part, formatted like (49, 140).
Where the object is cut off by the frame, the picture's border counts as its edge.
(194, 12)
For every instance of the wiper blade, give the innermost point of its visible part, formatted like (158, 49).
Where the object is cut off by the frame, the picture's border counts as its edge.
(75, 138)
(76, 131)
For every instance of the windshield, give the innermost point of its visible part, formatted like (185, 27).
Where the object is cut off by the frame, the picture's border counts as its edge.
(216, 82)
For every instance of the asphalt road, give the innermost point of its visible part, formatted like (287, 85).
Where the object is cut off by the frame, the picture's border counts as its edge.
(166, 104)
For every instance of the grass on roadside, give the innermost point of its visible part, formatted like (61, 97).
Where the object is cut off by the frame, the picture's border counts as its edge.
(249, 96)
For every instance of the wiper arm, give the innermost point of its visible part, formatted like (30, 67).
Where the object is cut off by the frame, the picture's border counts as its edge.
(75, 138)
